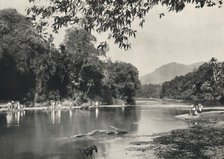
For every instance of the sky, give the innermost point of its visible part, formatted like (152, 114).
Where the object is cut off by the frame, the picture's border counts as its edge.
(192, 35)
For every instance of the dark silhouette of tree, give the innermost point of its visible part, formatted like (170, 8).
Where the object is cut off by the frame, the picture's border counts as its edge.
(32, 68)
(24, 50)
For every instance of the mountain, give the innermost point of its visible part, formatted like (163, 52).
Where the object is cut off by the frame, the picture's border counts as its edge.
(167, 72)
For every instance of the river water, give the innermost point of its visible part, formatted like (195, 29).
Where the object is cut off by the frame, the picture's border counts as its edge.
(45, 134)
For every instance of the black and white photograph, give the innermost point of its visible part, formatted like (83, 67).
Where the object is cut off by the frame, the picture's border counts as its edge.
(111, 79)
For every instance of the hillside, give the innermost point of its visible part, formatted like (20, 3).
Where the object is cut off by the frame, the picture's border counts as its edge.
(205, 84)
(168, 72)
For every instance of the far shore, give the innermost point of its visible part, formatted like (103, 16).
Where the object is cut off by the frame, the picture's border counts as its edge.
(67, 107)
(58, 108)
(39, 108)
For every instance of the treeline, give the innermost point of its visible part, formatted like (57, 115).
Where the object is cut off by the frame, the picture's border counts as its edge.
(204, 84)
(149, 91)
(32, 69)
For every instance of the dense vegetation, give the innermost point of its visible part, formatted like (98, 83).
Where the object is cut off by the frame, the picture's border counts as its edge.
(149, 91)
(32, 69)
(204, 84)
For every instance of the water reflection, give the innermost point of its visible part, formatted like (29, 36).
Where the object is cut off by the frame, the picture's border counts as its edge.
(9, 118)
(55, 116)
(42, 134)
(70, 114)
(97, 112)
(123, 109)
(14, 118)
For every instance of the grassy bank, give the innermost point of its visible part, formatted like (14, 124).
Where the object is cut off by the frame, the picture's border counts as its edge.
(203, 140)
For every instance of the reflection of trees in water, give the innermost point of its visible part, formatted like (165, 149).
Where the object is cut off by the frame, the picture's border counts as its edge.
(37, 128)
(26, 135)
(97, 112)
(83, 121)
(14, 118)
(56, 116)
(70, 114)
(121, 117)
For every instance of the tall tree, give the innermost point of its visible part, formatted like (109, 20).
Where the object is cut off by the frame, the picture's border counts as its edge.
(85, 68)
(25, 50)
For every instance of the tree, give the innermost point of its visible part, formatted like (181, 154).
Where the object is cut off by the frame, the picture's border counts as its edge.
(214, 63)
(25, 53)
(114, 16)
(84, 71)
(121, 81)
(205, 84)
(32, 68)
(149, 91)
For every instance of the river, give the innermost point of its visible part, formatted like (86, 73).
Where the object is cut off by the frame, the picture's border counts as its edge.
(44, 134)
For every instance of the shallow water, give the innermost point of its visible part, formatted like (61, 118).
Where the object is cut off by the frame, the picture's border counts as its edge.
(43, 134)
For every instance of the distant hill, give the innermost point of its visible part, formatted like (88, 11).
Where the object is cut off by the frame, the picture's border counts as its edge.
(168, 72)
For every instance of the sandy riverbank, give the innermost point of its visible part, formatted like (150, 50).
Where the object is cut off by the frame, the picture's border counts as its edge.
(202, 140)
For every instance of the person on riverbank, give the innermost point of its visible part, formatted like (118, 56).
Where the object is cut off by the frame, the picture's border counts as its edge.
(13, 105)
(96, 104)
(193, 110)
(52, 103)
(199, 108)
(17, 105)
(59, 104)
(9, 105)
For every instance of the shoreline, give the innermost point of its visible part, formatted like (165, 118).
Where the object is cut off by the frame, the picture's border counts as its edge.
(181, 117)
(204, 139)
(37, 108)
(61, 108)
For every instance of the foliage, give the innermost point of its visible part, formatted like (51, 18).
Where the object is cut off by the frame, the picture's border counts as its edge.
(42, 72)
(114, 16)
(92, 79)
(121, 82)
(83, 69)
(204, 84)
(25, 50)
(149, 91)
